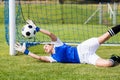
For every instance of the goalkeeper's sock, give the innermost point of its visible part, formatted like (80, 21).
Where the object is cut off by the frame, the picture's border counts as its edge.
(26, 52)
(115, 58)
(112, 61)
(114, 30)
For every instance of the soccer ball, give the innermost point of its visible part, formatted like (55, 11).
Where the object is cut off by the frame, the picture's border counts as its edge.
(28, 31)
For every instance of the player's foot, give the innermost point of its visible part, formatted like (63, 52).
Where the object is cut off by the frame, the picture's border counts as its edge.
(115, 58)
(118, 60)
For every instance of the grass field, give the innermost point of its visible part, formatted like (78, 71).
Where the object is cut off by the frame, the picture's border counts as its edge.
(22, 67)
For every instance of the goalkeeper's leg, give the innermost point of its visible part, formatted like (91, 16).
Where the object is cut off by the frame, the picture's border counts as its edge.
(103, 62)
(113, 31)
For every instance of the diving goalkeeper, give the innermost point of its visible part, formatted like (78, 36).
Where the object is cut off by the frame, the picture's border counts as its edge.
(83, 53)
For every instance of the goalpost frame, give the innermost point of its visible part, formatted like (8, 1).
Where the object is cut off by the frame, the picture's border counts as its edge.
(13, 16)
(12, 27)
(111, 11)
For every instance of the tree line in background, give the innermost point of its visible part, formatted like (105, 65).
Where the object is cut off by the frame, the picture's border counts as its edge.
(76, 0)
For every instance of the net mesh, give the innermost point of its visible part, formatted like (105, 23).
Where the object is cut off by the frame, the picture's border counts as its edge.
(72, 22)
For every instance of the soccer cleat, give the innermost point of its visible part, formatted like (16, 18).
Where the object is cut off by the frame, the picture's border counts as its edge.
(115, 58)
(118, 59)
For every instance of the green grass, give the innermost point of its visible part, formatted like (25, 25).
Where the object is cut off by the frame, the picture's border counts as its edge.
(22, 67)
(51, 17)
(67, 13)
(55, 13)
(74, 33)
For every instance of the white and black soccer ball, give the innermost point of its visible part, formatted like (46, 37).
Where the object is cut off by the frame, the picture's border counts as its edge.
(28, 31)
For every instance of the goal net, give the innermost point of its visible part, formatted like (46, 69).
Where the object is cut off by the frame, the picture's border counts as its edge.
(71, 20)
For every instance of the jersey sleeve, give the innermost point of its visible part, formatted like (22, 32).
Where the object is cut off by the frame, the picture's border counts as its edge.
(57, 43)
(51, 59)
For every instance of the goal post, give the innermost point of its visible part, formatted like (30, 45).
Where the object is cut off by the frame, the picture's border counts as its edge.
(65, 19)
(12, 27)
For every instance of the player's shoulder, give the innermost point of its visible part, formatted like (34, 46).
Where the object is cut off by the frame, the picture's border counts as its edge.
(57, 43)
(58, 39)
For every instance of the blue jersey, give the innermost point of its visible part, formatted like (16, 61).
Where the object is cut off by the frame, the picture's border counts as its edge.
(66, 54)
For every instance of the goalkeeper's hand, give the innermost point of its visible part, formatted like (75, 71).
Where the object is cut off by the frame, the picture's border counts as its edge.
(30, 22)
(21, 48)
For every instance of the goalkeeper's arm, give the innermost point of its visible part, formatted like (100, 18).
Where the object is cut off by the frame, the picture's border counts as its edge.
(48, 33)
(23, 49)
(51, 35)
(42, 58)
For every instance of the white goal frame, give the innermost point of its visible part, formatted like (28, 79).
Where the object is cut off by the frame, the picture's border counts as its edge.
(12, 27)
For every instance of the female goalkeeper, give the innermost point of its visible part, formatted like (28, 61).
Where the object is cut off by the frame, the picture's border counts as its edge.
(63, 53)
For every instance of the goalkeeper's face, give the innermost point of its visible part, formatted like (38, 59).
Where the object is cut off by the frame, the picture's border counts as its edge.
(48, 48)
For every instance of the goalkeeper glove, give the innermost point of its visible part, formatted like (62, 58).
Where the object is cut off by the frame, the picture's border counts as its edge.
(30, 22)
(21, 48)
